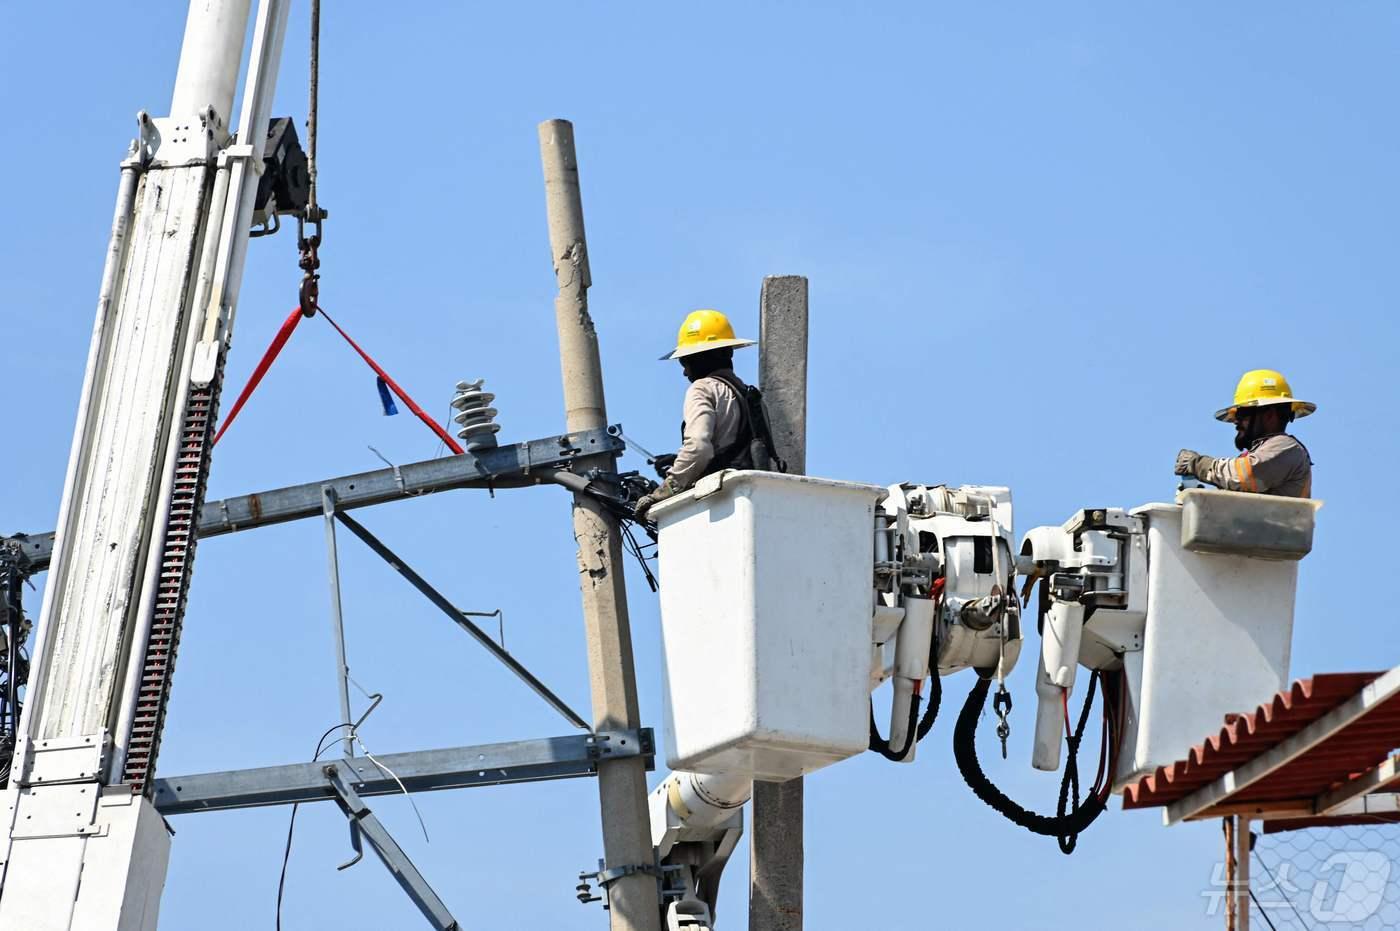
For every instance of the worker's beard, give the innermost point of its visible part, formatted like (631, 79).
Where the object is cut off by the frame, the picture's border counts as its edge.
(1242, 438)
(1246, 430)
(1254, 427)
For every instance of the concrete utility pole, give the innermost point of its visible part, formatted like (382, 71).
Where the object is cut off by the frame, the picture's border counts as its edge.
(622, 788)
(776, 855)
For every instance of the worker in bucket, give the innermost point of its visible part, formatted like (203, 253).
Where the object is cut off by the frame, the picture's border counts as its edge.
(1270, 461)
(724, 425)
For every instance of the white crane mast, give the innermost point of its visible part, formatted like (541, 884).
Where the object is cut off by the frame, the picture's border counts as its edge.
(109, 626)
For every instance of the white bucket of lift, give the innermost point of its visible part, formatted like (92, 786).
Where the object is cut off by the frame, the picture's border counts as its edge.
(766, 584)
(1218, 632)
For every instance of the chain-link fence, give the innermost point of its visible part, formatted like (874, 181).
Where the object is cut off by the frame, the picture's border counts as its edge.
(1333, 878)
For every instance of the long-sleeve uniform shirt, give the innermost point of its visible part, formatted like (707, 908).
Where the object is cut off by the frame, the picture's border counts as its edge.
(713, 418)
(1273, 465)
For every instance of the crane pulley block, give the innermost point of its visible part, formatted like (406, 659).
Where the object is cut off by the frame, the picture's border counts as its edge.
(285, 184)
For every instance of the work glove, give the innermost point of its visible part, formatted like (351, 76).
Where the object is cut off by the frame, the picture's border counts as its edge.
(1190, 462)
(663, 464)
(665, 490)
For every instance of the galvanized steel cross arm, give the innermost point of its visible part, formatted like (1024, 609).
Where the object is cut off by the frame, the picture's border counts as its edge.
(514, 466)
(420, 771)
(441, 602)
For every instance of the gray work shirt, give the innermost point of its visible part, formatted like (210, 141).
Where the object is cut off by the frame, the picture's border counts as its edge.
(714, 417)
(1273, 465)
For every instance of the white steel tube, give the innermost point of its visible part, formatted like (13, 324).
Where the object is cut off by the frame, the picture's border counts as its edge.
(209, 58)
(221, 237)
(219, 241)
(903, 698)
(222, 300)
(910, 668)
(342, 666)
(1049, 721)
(122, 726)
(268, 39)
(703, 800)
(1059, 658)
(1059, 645)
(77, 457)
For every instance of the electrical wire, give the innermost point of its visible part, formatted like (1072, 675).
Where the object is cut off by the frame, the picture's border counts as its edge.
(292, 823)
(375, 698)
(1264, 914)
(1277, 885)
(394, 776)
(635, 549)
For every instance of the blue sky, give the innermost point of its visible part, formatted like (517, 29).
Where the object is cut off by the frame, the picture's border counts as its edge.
(1043, 242)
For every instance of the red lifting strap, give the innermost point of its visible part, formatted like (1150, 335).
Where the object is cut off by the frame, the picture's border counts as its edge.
(394, 387)
(280, 340)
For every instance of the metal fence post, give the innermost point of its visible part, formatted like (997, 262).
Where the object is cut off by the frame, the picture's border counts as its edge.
(1242, 867)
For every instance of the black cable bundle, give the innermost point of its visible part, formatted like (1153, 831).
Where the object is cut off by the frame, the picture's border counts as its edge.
(1069, 785)
(1066, 824)
(882, 746)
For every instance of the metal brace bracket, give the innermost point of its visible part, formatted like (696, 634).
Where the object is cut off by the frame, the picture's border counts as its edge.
(605, 876)
(621, 743)
(139, 154)
(608, 877)
(54, 811)
(64, 759)
(242, 152)
(387, 849)
(186, 140)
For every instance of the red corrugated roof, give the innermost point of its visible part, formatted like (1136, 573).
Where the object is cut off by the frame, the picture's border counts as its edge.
(1351, 750)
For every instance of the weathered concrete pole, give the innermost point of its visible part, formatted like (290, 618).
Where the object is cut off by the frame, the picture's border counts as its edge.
(622, 787)
(775, 845)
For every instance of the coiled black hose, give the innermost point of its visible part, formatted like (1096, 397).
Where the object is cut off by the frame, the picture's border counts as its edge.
(1070, 820)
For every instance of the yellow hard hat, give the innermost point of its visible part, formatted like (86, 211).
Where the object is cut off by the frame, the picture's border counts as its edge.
(702, 331)
(1261, 387)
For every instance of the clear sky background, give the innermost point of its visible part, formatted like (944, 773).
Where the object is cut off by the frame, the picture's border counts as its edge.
(1043, 242)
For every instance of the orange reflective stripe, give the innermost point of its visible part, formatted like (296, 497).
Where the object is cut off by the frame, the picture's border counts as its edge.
(1247, 481)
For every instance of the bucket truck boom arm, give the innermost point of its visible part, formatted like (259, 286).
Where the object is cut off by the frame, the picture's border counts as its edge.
(110, 622)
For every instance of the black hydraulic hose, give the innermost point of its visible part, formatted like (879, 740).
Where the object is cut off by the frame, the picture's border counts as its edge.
(580, 485)
(965, 752)
(1069, 785)
(882, 746)
(915, 733)
(935, 693)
